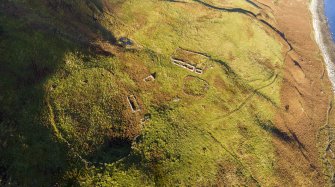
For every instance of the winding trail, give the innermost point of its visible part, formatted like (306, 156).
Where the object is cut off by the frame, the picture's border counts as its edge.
(330, 131)
(247, 99)
(230, 71)
(252, 15)
(264, 23)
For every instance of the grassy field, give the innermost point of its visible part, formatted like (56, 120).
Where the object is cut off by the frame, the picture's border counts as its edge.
(66, 116)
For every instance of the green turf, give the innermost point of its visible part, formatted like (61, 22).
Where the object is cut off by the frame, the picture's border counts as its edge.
(68, 121)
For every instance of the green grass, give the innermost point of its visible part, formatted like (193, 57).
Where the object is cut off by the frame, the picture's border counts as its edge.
(77, 110)
(195, 86)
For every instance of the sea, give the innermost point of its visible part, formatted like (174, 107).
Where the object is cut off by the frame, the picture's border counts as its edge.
(330, 14)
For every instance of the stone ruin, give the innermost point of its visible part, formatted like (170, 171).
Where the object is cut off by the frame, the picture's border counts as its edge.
(149, 78)
(134, 106)
(186, 65)
(125, 42)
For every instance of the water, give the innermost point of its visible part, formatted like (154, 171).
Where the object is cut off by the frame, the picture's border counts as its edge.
(330, 13)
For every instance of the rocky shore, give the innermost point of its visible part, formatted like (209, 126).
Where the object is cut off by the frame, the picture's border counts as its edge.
(323, 37)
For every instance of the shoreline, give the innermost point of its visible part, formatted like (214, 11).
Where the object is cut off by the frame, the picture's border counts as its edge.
(323, 38)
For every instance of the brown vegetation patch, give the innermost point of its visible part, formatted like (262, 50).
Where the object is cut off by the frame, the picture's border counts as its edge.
(305, 89)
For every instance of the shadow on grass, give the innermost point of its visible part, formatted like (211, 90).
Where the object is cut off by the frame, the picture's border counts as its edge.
(31, 52)
(112, 151)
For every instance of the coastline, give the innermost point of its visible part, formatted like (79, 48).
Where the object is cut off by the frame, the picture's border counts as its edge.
(323, 38)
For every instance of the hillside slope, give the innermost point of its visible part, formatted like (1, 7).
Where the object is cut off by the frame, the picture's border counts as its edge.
(156, 93)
